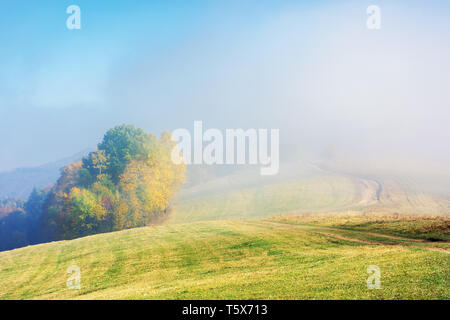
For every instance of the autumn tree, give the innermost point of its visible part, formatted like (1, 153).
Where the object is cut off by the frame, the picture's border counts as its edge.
(127, 182)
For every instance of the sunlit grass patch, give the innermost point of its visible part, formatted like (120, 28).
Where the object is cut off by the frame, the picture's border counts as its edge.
(253, 259)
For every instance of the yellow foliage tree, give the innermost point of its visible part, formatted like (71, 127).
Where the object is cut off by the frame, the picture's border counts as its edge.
(148, 185)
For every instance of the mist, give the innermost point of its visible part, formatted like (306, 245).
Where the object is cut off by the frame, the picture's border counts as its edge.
(378, 99)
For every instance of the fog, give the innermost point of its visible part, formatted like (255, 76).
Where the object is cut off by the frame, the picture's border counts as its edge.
(369, 99)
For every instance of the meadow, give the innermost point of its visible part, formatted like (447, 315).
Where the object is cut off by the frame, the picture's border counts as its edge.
(297, 257)
(307, 235)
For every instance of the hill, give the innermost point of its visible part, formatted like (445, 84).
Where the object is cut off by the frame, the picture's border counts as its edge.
(20, 182)
(238, 235)
(303, 188)
(301, 257)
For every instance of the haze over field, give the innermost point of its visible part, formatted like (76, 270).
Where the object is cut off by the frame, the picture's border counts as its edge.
(373, 99)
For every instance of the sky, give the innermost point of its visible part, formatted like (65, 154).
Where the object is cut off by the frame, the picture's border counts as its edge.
(310, 68)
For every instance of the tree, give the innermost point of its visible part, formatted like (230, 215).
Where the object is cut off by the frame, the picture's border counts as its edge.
(123, 144)
(148, 186)
(99, 161)
(85, 213)
(55, 206)
(33, 208)
(127, 182)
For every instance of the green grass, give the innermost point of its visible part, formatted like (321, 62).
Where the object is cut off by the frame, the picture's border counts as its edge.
(433, 228)
(253, 259)
(235, 238)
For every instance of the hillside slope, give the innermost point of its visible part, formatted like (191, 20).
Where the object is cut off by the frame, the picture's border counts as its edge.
(254, 259)
(302, 188)
(20, 182)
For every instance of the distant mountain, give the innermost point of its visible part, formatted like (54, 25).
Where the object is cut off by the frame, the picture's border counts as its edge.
(20, 182)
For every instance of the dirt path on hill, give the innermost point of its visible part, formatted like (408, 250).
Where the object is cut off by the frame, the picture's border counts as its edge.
(371, 188)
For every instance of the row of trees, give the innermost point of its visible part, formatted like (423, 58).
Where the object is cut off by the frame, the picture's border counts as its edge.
(8, 205)
(20, 221)
(127, 182)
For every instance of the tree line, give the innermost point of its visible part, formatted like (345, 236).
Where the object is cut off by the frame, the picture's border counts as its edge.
(127, 182)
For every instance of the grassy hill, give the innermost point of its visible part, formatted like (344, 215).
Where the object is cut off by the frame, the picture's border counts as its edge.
(302, 188)
(239, 236)
(299, 257)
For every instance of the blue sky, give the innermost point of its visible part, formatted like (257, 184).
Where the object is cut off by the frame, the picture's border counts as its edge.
(310, 67)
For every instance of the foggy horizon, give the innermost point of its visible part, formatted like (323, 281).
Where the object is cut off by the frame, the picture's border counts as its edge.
(315, 71)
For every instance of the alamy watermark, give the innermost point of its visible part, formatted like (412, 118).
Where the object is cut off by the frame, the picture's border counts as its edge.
(235, 146)
(374, 280)
(74, 20)
(374, 20)
(74, 281)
